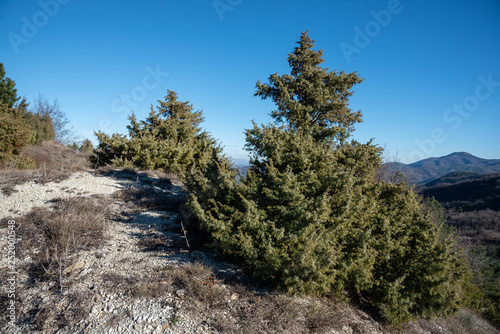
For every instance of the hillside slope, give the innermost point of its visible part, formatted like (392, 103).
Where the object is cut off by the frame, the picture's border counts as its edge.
(471, 203)
(149, 274)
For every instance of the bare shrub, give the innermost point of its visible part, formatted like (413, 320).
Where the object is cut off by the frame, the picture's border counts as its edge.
(52, 236)
(11, 177)
(152, 242)
(63, 132)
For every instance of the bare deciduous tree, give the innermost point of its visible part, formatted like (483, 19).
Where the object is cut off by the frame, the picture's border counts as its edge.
(64, 132)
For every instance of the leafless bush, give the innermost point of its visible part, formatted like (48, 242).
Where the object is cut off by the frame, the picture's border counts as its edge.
(152, 242)
(11, 177)
(64, 133)
(51, 237)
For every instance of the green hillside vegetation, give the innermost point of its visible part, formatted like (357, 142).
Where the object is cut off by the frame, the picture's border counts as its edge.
(311, 217)
(31, 140)
(466, 192)
(19, 127)
(452, 178)
(471, 205)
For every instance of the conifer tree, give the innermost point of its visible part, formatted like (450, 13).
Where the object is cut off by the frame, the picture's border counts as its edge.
(14, 134)
(311, 216)
(170, 139)
(8, 94)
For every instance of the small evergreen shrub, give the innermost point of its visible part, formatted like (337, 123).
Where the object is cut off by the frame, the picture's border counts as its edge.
(169, 139)
(86, 147)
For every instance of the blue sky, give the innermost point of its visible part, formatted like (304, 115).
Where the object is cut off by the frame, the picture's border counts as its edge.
(431, 68)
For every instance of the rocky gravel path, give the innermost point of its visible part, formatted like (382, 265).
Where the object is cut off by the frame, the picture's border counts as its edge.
(33, 194)
(109, 311)
(109, 288)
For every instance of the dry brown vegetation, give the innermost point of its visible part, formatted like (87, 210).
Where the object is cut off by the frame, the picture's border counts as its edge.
(54, 162)
(246, 310)
(52, 236)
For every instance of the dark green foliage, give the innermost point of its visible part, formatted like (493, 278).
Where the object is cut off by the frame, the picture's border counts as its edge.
(19, 127)
(169, 139)
(15, 134)
(15, 130)
(492, 286)
(471, 203)
(8, 94)
(311, 216)
(86, 147)
(311, 98)
(41, 124)
(73, 146)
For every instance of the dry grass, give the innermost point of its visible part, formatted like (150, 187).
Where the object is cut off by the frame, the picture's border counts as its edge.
(232, 307)
(233, 303)
(54, 162)
(282, 314)
(466, 322)
(46, 317)
(52, 236)
(10, 177)
(152, 242)
(54, 156)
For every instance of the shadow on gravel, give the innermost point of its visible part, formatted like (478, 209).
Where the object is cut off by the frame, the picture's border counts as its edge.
(156, 203)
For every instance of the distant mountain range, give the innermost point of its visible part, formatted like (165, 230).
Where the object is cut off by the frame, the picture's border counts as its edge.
(430, 169)
(426, 170)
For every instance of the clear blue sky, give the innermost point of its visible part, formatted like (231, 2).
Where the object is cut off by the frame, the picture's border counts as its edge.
(431, 68)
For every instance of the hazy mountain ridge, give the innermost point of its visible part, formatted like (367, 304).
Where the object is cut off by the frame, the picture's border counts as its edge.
(430, 169)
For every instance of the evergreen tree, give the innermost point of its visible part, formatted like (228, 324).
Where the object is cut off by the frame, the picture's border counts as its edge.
(311, 216)
(170, 139)
(86, 147)
(310, 98)
(8, 94)
(15, 135)
(18, 126)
